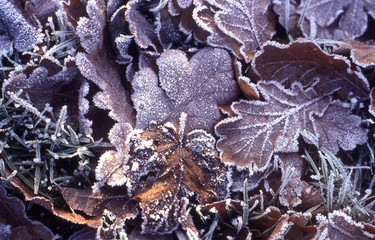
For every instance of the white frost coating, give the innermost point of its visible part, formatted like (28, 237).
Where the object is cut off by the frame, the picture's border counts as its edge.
(83, 105)
(195, 87)
(90, 30)
(262, 128)
(25, 36)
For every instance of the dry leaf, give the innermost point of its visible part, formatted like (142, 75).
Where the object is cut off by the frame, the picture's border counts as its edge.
(266, 127)
(351, 16)
(292, 168)
(13, 215)
(305, 62)
(164, 166)
(195, 87)
(340, 225)
(361, 53)
(248, 23)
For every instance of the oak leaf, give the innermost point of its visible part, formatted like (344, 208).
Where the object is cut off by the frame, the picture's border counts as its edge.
(247, 23)
(195, 87)
(13, 215)
(263, 128)
(305, 62)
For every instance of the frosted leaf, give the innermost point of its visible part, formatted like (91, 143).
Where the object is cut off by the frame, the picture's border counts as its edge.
(263, 128)
(100, 69)
(122, 44)
(372, 102)
(292, 168)
(340, 225)
(351, 15)
(195, 87)
(19, 27)
(167, 29)
(164, 167)
(247, 87)
(42, 9)
(83, 105)
(110, 169)
(13, 214)
(250, 23)
(142, 30)
(288, 18)
(339, 128)
(361, 53)
(305, 62)
(49, 83)
(90, 30)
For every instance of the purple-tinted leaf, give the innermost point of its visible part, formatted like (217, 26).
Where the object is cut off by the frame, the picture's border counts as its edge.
(19, 27)
(339, 128)
(263, 128)
(361, 53)
(292, 168)
(340, 225)
(14, 217)
(195, 87)
(288, 18)
(250, 23)
(305, 62)
(351, 15)
(42, 9)
(143, 31)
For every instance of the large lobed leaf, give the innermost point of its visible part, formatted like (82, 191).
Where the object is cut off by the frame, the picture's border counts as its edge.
(195, 87)
(263, 128)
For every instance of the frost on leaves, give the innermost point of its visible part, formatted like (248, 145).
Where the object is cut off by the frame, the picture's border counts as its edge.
(19, 28)
(305, 62)
(348, 18)
(249, 23)
(340, 225)
(164, 165)
(266, 127)
(195, 87)
(263, 128)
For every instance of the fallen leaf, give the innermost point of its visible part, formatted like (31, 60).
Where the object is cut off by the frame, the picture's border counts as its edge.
(340, 225)
(13, 215)
(262, 128)
(361, 53)
(292, 168)
(164, 166)
(352, 16)
(305, 62)
(195, 87)
(249, 23)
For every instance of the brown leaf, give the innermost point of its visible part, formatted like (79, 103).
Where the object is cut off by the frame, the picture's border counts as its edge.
(46, 203)
(361, 53)
(144, 32)
(13, 214)
(266, 127)
(292, 168)
(247, 23)
(372, 102)
(195, 87)
(305, 62)
(340, 225)
(164, 166)
(94, 204)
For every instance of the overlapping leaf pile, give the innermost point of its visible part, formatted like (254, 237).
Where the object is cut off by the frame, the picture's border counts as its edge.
(226, 119)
